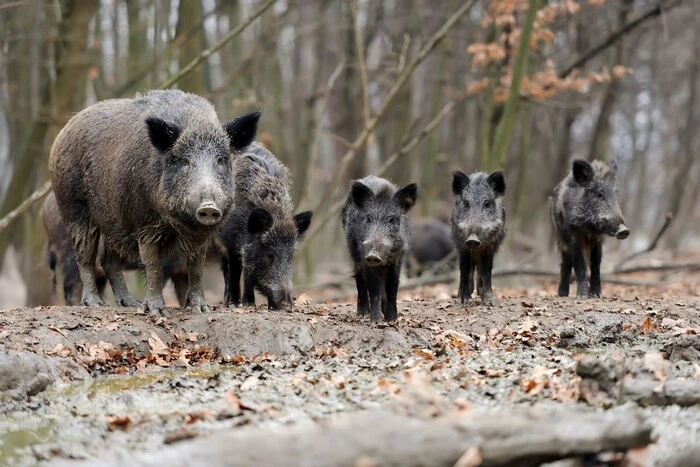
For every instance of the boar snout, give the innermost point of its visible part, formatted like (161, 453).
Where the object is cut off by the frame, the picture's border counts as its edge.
(280, 299)
(373, 258)
(208, 213)
(473, 241)
(622, 232)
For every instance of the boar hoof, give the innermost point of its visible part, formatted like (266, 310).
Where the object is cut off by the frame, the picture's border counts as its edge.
(128, 301)
(154, 308)
(362, 310)
(594, 295)
(93, 300)
(196, 304)
(487, 301)
(196, 309)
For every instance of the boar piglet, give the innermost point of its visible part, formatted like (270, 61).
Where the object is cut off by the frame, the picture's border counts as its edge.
(431, 242)
(584, 210)
(377, 231)
(151, 175)
(478, 229)
(260, 237)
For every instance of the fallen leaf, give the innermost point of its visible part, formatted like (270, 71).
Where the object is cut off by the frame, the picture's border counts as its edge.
(528, 325)
(63, 333)
(112, 326)
(638, 457)
(158, 347)
(302, 299)
(527, 304)
(60, 350)
(233, 401)
(179, 435)
(249, 383)
(471, 458)
(422, 353)
(648, 326)
(121, 423)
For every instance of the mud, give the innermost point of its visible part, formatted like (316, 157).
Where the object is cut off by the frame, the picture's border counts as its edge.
(116, 381)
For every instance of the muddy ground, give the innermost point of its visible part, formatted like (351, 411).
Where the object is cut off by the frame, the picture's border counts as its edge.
(88, 384)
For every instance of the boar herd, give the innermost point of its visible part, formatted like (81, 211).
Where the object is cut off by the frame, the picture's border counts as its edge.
(158, 183)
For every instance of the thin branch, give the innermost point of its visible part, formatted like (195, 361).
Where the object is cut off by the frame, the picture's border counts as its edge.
(319, 131)
(652, 245)
(361, 63)
(218, 46)
(393, 92)
(612, 38)
(24, 206)
(393, 159)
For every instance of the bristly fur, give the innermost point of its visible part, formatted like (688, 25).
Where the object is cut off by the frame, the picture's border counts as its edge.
(583, 211)
(264, 256)
(134, 172)
(478, 229)
(376, 224)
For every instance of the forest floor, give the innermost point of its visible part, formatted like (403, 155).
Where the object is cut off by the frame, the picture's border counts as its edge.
(110, 384)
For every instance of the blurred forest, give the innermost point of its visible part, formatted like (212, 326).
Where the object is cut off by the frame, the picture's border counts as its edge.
(410, 89)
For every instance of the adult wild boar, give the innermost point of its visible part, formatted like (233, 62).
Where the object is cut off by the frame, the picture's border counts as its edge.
(584, 209)
(152, 175)
(478, 229)
(260, 236)
(377, 232)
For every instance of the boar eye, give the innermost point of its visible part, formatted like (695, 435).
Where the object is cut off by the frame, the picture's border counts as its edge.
(221, 160)
(368, 219)
(487, 204)
(466, 205)
(393, 220)
(599, 195)
(184, 161)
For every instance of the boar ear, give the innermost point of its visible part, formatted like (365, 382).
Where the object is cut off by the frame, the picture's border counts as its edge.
(361, 194)
(460, 181)
(162, 134)
(613, 167)
(406, 197)
(303, 221)
(498, 183)
(583, 172)
(259, 221)
(241, 130)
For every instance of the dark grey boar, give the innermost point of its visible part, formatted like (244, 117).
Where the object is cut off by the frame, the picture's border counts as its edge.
(478, 229)
(60, 254)
(261, 235)
(378, 231)
(431, 242)
(584, 209)
(152, 176)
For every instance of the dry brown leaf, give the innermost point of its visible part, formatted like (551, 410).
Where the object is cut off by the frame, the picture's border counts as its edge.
(60, 350)
(528, 325)
(112, 326)
(471, 458)
(422, 353)
(118, 423)
(527, 304)
(60, 331)
(158, 347)
(648, 326)
(302, 300)
(179, 435)
(233, 401)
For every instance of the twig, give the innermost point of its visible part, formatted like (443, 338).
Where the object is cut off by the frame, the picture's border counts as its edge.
(361, 63)
(225, 40)
(393, 92)
(319, 131)
(652, 245)
(333, 210)
(611, 39)
(24, 206)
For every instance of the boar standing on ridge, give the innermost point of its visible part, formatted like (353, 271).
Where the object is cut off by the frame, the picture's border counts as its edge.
(478, 229)
(260, 236)
(377, 231)
(584, 209)
(152, 176)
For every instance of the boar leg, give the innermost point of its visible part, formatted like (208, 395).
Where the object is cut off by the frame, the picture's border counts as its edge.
(565, 272)
(153, 302)
(195, 301)
(181, 283)
(485, 267)
(466, 276)
(235, 268)
(580, 270)
(596, 258)
(248, 290)
(362, 294)
(374, 287)
(113, 270)
(86, 243)
(392, 289)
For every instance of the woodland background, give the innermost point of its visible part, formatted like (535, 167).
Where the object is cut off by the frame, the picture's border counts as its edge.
(410, 89)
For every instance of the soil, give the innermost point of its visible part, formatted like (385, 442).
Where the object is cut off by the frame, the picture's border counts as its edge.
(88, 384)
